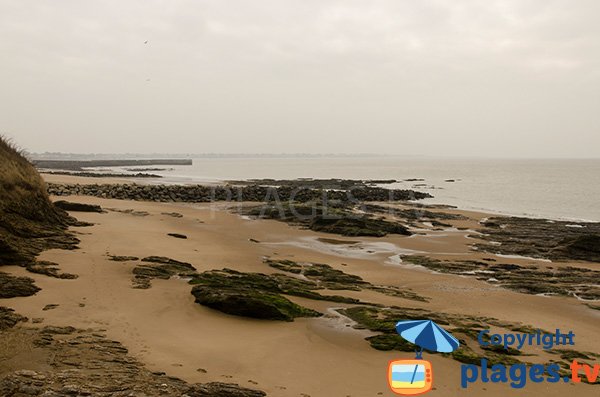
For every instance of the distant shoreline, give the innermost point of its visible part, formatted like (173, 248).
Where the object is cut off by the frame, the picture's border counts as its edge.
(79, 165)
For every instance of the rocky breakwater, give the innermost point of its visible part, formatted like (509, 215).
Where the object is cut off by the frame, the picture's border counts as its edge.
(255, 193)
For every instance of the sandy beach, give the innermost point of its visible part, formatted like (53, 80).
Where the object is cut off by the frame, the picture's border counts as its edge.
(299, 199)
(318, 357)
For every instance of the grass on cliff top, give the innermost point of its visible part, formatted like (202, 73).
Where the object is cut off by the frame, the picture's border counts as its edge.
(18, 177)
(29, 222)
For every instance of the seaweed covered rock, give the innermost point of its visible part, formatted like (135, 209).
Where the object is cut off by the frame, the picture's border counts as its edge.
(325, 276)
(335, 217)
(541, 238)
(362, 226)
(382, 320)
(250, 303)
(272, 283)
(257, 295)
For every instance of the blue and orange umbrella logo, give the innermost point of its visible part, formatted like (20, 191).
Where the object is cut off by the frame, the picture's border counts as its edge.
(412, 377)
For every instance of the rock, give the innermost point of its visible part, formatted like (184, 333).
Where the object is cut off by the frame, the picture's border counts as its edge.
(541, 238)
(119, 258)
(382, 321)
(152, 272)
(78, 207)
(29, 223)
(12, 286)
(327, 277)
(8, 318)
(215, 389)
(173, 214)
(84, 363)
(583, 247)
(354, 227)
(177, 235)
(562, 280)
(49, 269)
(50, 306)
(163, 260)
(250, 303)
(333, 218)
(57, 330)
(260, 295)
(160, 267)
(289, 191)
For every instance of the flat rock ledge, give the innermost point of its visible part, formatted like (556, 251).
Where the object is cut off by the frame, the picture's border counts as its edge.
(67, 362)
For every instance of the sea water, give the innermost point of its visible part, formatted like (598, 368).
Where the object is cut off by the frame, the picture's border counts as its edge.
(557, 189)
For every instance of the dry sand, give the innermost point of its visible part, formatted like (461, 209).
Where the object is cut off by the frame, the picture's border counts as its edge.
(320, 357)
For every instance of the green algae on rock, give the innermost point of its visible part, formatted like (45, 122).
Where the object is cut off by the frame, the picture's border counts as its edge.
(327, 277)
(335, 218)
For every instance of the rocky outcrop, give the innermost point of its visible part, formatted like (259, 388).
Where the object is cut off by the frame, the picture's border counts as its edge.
(123, 258)
(336, 218)
(49, 269)
(12, 286)
(85, 363)
(326, 277)
(541, 238)
(88, 174)
(8, 318)
(585, 247)
(354, 227)
(80, 207)
(247, 302)
(29, 222)
(332, 183)
(555, 280)
(160, 267)
(258, 295)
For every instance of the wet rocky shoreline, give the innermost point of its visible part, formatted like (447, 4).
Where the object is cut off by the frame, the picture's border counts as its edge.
(255, 193)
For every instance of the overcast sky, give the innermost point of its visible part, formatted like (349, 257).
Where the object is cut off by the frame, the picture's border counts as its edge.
(461, 77)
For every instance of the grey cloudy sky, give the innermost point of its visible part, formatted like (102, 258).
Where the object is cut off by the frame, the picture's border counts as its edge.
(460, 77)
